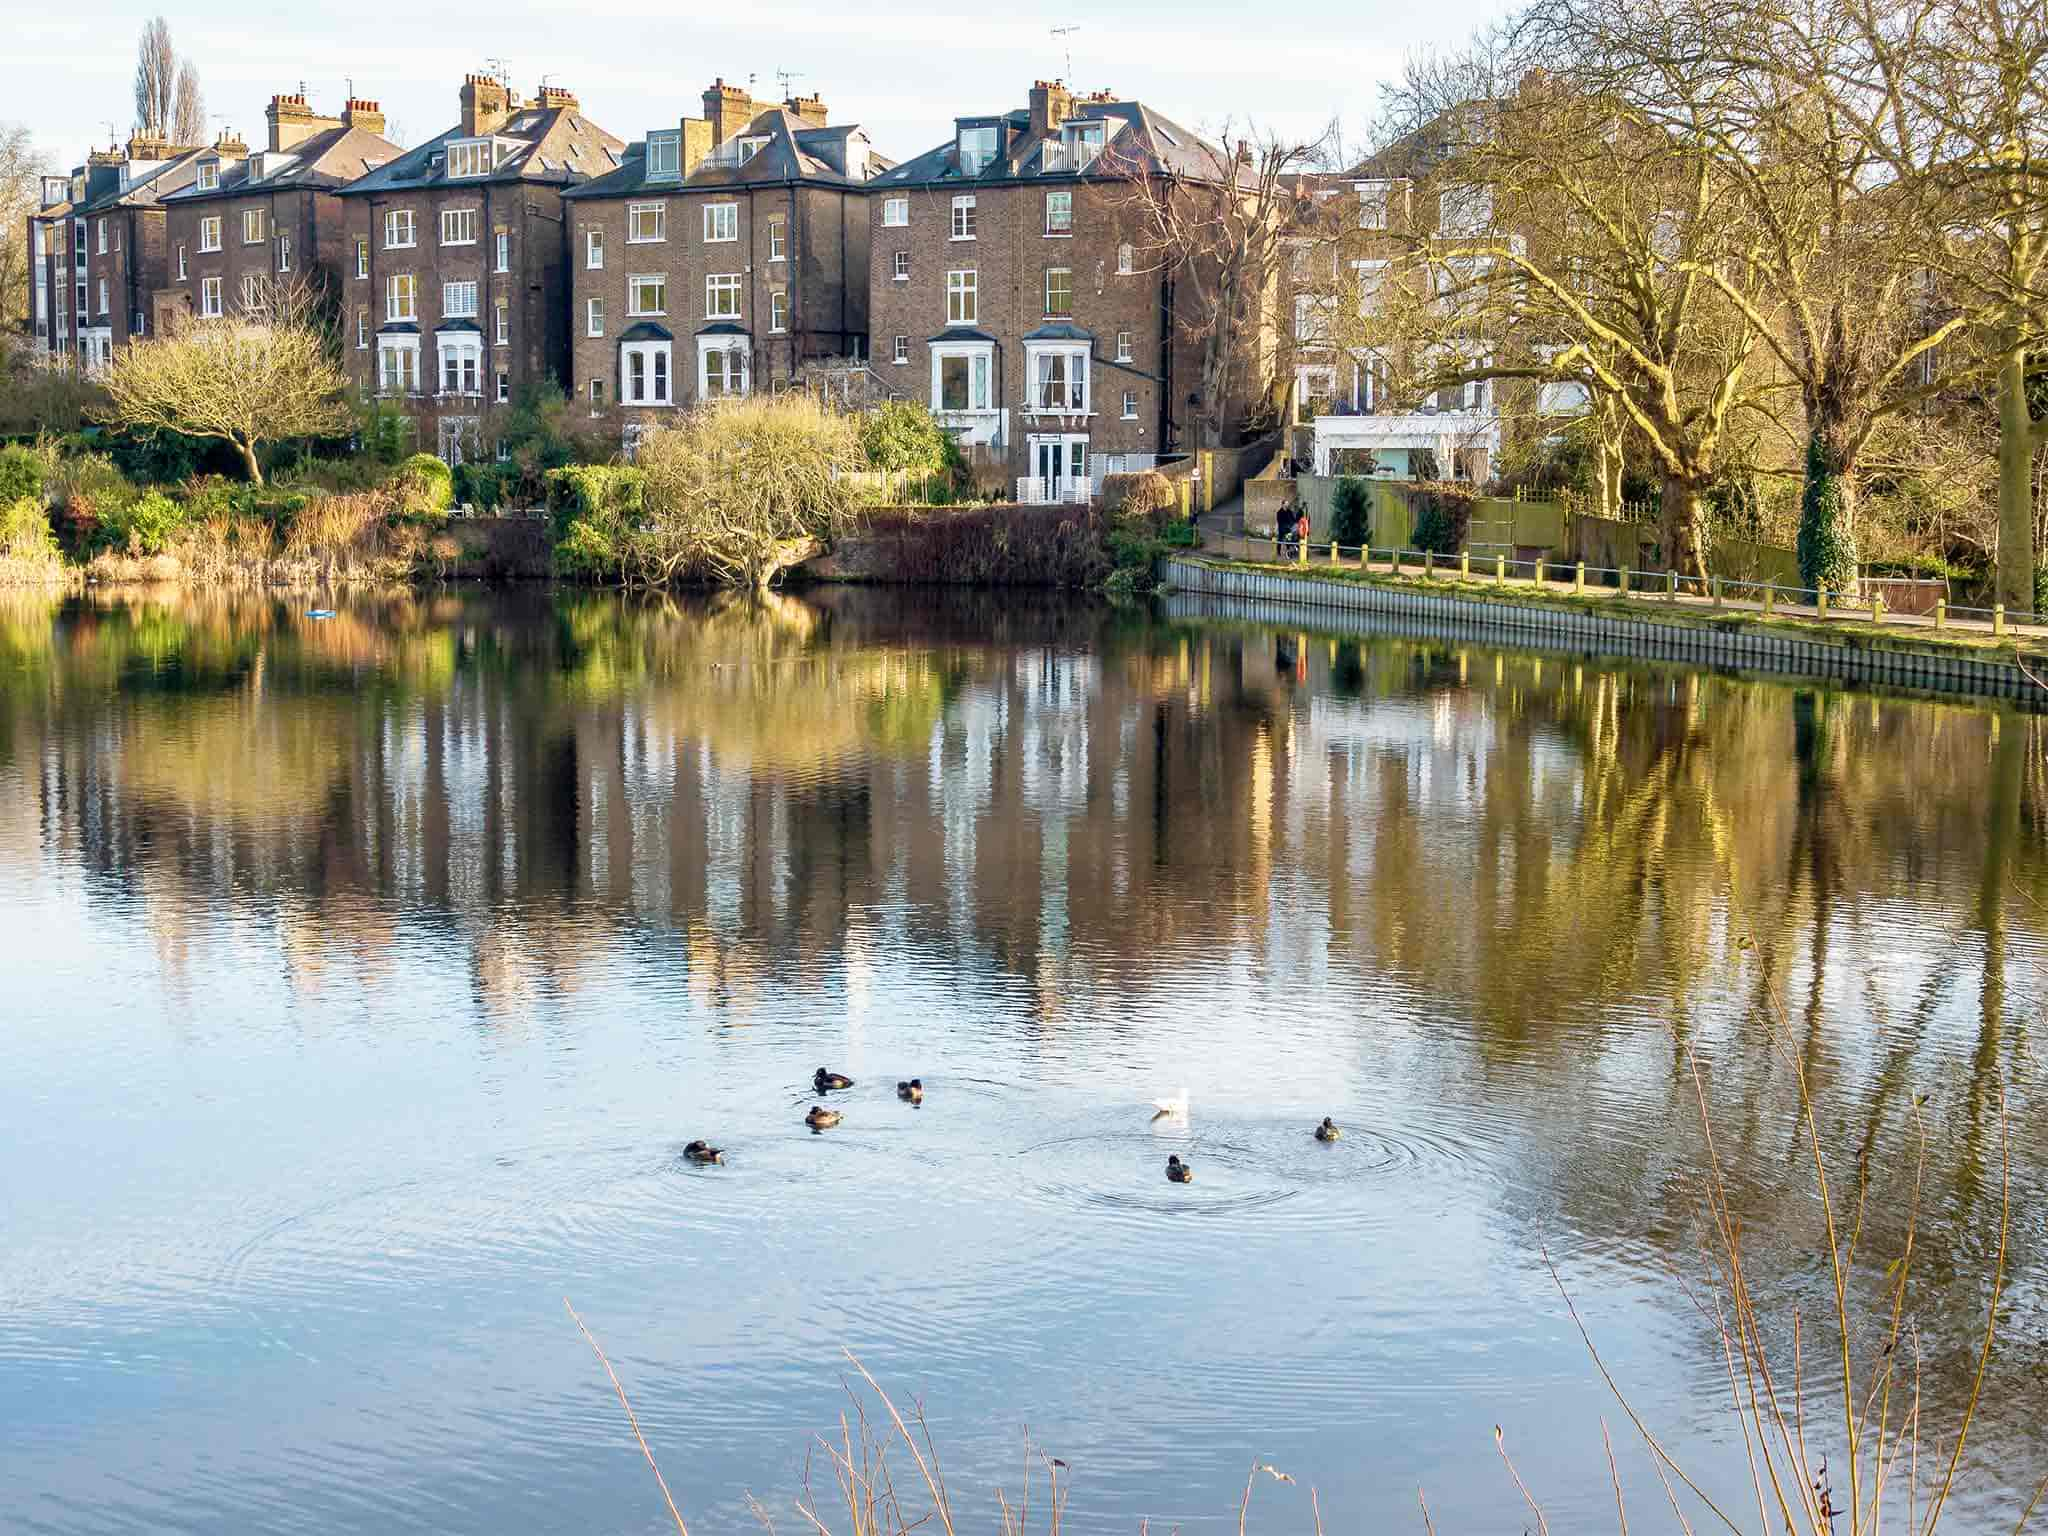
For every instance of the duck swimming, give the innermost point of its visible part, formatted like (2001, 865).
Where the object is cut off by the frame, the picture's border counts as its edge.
(820, 1118)
(825, 1081)
(1328, 1130)
(703, 1152)
(1178, 1172)
(913, 1091)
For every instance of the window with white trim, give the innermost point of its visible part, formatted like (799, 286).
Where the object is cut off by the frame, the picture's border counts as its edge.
(209, 233)
(1126, 259)
(469, 157)
(362, 258)
(284, 253)
(458, 226)
(963, 217)
(1059, 213)
(895, 211)
(721, 369)
(644, 373)
(722, 296)
(1130, 405)
(962, 298)
(103, 296)
(252, 226)
(504, 393)
(181, 261)
(398, 229)
(504, 252)
(901, 354)
(398, 365)
(962, 374)
(401, 290)
(458, 300)
(778, 240)
(647, 294)
(209, 298)
(901, 267)
(721, 222)
(1056, 377)
(208, 179)
(362, 327)
(977, 147)
(593, 249)
(593, 317)
(1059, 292)
(501, 323)
(103, 236)
(646, 223)
(597, 392)
(1371, 276)
(1123, 346)
(1373, 202)
(462, 363)
(664, 156)
(252, 293)
(778, 311)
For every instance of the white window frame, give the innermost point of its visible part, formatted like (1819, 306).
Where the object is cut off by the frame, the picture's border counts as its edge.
(982, 132)
(778, 240)
(458, 226)
(642, 282)
(102, 235)
(729, 347)
(502, 241)
(593, 317)
(717, 284)
(968, 292)
(470, 158)
(1371, 277)
(104, 308)
(1059, 314)
(895, 212)
(1123, 346)
(1130, 405)
(252, 219)
(656, 380)
(501, 322)
(593, 250)
(284, 253)
(963, 216)
(465, 350)
(459, 299)
(778, 311)
(1126, 259)
(1375, 204)
(397, 220)
(503, 394)
(362, 327)
(900, 352)
(721, 223)
(979, 373)
(207, 178)
(182, 263)
(596, 395)
(1077, 356)
(209, 298)
(394, 284)
(655, 231)
(664, 156)
(406, 351)
(1062, 198)
(209, 234)
(900, 267)
(362, 259)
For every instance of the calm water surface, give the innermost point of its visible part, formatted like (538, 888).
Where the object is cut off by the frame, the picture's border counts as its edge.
(361, 981)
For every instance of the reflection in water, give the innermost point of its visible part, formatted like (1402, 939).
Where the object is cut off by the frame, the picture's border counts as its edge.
(368, 977)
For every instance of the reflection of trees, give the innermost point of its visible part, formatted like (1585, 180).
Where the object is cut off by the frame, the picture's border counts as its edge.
(1549, 849)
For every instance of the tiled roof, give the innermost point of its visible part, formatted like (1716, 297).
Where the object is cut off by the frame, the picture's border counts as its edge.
(1139, 140)
(330, 158)
(556, 145)
(793, 153)
(149, 189)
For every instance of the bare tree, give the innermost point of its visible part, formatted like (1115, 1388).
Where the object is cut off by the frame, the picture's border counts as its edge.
(1215, 217)
(168, 102)
(248, 380)
(20, 194)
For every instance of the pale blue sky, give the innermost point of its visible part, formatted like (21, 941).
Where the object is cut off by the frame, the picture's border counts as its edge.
(902, 71)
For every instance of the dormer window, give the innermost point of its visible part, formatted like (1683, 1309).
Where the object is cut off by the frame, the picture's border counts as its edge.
(209, 176)
(977, 148)
(752, 145)
(469, 157)
(664, 152)
(1084, 142)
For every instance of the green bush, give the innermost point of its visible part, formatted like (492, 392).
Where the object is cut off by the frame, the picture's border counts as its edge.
(385, 432)
(21, 475)
(1443, 516)
(905, 435)
(1351, 513)
(424, 487)
(25, 531)
(594, 509)
(483, 486)
(145, 525)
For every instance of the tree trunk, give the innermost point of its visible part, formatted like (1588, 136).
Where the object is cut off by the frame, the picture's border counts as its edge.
(1607, 459)
(249, 463)
(2015, 479)
(1827, 505)
(1682, 526)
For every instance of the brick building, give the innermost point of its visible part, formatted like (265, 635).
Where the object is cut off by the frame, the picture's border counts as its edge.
(248, 221)
(1005, 289)
(455, 291)
(98, 245)
(744, 233)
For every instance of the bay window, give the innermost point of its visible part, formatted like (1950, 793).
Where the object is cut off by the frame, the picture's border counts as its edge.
(961, 373)
(721, 368)
(398, 365)
(462, 362)
(644, 373)
(1056, 377)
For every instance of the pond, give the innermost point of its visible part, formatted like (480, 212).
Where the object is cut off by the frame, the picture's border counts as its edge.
(365, 978)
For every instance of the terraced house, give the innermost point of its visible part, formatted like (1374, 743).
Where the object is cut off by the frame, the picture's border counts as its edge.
(456, 294)
(722, 255)
(99, 244)
(249, 222)
(1005, 288)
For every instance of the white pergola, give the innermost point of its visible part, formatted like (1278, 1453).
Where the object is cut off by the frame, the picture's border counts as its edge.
(1442, 432)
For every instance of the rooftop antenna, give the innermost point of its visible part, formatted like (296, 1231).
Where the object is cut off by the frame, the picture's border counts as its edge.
(785, 78)
(500, 71)
(1067, 47)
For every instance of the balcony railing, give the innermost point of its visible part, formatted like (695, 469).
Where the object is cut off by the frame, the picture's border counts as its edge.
(1054, 491)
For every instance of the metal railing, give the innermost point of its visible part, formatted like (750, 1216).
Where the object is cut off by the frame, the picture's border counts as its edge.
(1715, 594)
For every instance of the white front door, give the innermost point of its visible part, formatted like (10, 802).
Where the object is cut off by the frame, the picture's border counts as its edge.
(1056, 462)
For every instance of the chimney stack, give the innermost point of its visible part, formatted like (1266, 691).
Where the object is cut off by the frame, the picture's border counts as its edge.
(366, 115)
(486, 105)
(229, 146)
(557, 96)
(292, 122)
(1051, 104)
(728, 109)
(809, 110)
(144, 145)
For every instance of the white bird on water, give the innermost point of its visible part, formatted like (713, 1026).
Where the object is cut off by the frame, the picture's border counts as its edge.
(1177, 1106)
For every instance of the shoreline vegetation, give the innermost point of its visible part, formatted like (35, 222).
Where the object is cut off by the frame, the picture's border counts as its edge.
(1833, 1436)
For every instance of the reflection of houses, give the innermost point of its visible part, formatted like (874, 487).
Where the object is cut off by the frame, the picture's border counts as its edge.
(721, 256)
